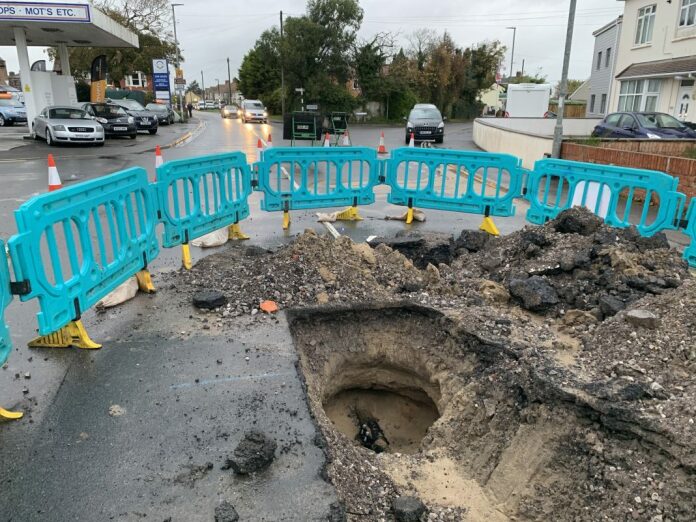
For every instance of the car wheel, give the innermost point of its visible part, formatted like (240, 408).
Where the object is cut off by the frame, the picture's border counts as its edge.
(407, 140)
(100, 144)
(2, 121)
(440, 139)
(152, 131)
(133, 136)
(49, 138)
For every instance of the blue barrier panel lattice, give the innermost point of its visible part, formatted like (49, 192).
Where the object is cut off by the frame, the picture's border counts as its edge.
(307, 177)
(5, 299)
(460, 181)
(77, 244)
(199, 195)
(690, 230)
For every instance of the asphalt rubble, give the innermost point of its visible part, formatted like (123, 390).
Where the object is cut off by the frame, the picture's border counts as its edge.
(595, 319)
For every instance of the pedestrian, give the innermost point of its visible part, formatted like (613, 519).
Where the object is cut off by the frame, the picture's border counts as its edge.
(189, 108)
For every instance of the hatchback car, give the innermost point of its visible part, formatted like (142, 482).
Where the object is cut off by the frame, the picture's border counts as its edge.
(652, 125)
(229, 111)
(144, 120)
(165, 114)
(65, 124)
(426, 123)
(113, 118)
(254, 110)
(11, 110)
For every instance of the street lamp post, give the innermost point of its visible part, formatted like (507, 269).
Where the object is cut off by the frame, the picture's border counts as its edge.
(512, 54)
(229, 83)
(217, 81)
(562, 91)
(176, 46)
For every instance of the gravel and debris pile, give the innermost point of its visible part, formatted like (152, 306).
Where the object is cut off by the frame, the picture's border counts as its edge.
(574, 262)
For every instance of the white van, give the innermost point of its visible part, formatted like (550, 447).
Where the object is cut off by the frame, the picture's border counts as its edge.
(527, 100)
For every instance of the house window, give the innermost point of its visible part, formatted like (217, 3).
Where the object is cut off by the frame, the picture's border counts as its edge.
(687, 16)
(603, 104)
(137, 79)
(608, 57)
(646, 22)
(639, 95)
(592, 100)
(599, 60)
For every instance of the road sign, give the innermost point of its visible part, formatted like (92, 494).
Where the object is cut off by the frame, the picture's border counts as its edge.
(179, 81)
(179, 73)
(44, 12)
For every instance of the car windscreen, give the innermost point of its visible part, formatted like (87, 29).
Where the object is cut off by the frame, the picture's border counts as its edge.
(156, 107)
(108, 111)
(11, 103)
(425, 114)
(253, 105)
(230, 108)
(659, 121)
(131, 104)
(65, 113)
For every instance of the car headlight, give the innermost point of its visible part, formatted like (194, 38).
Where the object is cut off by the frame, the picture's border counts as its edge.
(265, 114)
(409, 124)
(442, 125)
(653, 136)
(102, 120)
(248, 113)
(131, 119)
(59, 128)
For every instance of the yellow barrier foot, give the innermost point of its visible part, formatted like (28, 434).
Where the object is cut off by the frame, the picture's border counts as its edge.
(145, 282)
(72, 334)
(186, 256)
(409, 216)
(235, 232)
(349, 214)
(286, 220)
(489, 226)
(10, 415)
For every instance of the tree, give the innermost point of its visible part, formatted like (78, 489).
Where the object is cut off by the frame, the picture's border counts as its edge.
(146, 18)
(194, 88)
(573, 85)
(369, 61)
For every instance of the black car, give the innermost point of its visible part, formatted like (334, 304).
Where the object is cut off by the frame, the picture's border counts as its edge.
(113, 118)
(165, 114)
(145, 120)
(642, 125)
(426, 123)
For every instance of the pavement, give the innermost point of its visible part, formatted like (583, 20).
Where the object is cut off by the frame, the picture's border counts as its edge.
(127, 432)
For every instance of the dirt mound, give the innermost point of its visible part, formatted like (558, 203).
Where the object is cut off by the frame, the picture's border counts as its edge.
(574, 262)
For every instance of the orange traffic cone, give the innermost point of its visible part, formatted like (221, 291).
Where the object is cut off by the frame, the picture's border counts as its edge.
(346, 139)
(327, 140)
(158, 157)
(381, 149)
(259, 150)
(269, 143)
(412, 141)
(54, 182)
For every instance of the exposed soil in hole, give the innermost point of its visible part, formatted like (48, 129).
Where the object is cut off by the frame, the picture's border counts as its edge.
(504, 443)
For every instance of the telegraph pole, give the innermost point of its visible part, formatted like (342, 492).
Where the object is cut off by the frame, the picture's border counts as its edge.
(282, 69)
(558, 129)
(203, 85)
(229, 83)
(176, 45)
(512, 54)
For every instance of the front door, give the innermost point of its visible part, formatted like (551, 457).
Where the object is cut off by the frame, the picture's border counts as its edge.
(683, 110)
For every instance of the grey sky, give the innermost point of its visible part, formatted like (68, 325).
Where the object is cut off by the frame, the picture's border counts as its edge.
(212, 30)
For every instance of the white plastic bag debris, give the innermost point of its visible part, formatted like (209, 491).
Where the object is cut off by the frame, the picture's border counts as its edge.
(217, 238)
(418, 215)
(330, 217)
(125, 292)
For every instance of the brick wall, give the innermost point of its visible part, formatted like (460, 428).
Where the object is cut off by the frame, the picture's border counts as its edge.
(666, 147)
(682, 168)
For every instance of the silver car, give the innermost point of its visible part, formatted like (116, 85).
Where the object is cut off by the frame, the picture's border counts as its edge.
(254, 110)
(65, 124)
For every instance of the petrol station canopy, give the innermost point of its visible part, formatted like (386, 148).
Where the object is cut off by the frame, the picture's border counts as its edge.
(70, 24)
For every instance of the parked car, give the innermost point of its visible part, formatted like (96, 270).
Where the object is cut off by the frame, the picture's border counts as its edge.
(11, 110)
(254, 110)
(200, 105)
(65, 124)
(230, 111)
(426, 123)
(652, 125)
(113, 118)
(210, 104)
(144, 120)
(165, 114)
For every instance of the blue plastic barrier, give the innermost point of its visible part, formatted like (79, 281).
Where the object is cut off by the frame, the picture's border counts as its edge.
(690, 230)
(460, 181)
(199, 195)
(610, 192)
(106, 228)
(5, 299)
(311, 177)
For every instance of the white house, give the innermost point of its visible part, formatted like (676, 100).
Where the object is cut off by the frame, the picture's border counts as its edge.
(603, 68)
(656, 63)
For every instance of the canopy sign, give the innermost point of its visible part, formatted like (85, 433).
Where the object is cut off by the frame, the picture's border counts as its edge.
(44, 12)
